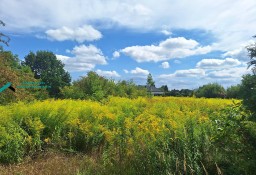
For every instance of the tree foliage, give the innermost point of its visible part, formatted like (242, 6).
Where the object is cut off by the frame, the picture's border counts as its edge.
(248, 92)
(234, 91)
(211, 90)
(150, 81)
(248, 85)
(12, 71)
(252, 54)
(46, 67)
(96, 87)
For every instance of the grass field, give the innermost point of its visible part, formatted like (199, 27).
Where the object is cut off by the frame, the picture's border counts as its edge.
(128, 136)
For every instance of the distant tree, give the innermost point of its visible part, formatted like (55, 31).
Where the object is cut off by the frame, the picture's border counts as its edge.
(234, 92)
(212, 90)
(150, 81)
(92, 86)
(174, 92)
(186, 92)
(165, 88)
(95, 87)
(4, 38)
(46, 67)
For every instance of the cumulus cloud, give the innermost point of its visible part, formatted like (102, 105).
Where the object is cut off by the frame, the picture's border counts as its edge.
(85, 58)
(165, 65)
(116, 54)
(139, 71)
(166, 32)
(185, 73)
(189, 73)
(240, 54)
(112, 74)
(126, 71)
(217, 63)
(145, 15)
(182, 79)
(235, 72)
(80, 34)
(168, 49)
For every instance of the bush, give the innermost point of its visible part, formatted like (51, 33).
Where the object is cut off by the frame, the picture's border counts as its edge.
(212, 90)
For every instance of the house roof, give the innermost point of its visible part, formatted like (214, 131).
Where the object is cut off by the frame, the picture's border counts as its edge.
(153, 89)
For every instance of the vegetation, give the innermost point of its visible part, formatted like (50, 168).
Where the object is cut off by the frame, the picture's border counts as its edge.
(97, 88)
(46, 67)
(234, 92)
(212, 90)
(180, 93)
(117, 129)
(252, 54)
(150, 81)
(12, 71)
(248, 92)
(248, 85)
(145, 136)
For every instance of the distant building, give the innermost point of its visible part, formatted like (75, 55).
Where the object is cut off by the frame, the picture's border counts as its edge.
(154, 91)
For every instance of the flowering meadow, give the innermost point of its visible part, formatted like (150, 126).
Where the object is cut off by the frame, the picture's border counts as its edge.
(172, 135)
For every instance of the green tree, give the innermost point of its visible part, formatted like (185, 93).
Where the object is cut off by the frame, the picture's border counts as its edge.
(248, 85)
(248, 92)
(234, 92)
(211, 90)
(92, 86)
(12, 71)
(150, 81)
(165, 88)
(252, 54)
(46, 67)
(9, 59)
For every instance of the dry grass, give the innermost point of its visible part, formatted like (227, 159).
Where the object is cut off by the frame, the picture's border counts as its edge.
(48, 163)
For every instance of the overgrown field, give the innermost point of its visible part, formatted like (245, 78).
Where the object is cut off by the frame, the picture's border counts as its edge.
(135, 136)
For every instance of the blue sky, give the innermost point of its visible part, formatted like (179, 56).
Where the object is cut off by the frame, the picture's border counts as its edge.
(183, 44)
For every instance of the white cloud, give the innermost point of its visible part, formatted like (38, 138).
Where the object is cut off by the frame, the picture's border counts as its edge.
(189, 73)
(240, 54)
(235, 72)
(126, 71)
(139, 71)
(230, 22)
(170, 48)
(182, 79)
(107, 73)
(177, 61)
(166, 32)
(116, 54)
(185, 73)
(62, 58)
(165, 65)
(86, 57)
(217, 63)
(80, 34)
(145, 15)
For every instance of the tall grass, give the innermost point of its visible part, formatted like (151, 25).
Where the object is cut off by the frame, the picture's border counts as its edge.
(138, 136)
